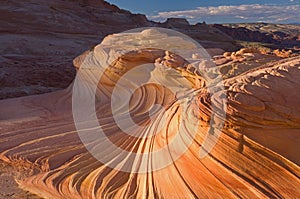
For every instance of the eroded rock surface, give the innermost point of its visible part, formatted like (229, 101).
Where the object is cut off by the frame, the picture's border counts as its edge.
(254, 157)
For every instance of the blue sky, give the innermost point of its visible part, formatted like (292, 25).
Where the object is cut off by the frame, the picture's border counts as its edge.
(276, 11)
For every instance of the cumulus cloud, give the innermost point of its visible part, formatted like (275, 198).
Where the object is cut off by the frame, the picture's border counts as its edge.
(240, 13)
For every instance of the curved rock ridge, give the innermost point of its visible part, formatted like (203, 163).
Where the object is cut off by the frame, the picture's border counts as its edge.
(163, 90)
(255, 155)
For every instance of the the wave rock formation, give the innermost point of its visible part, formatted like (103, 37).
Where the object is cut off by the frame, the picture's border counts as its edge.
(256, 154)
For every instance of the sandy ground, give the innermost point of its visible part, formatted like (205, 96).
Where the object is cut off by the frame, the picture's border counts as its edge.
(9, 187)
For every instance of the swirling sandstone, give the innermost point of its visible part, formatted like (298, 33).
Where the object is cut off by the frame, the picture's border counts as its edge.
(255, 156)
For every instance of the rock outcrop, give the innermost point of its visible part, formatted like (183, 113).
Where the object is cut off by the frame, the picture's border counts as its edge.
(255, 155)
(177, 22)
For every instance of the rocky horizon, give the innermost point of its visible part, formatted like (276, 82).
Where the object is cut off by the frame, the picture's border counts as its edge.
(72, 27)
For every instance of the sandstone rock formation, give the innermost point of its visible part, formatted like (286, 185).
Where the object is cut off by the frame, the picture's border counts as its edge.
(255, 155)
(234, 63)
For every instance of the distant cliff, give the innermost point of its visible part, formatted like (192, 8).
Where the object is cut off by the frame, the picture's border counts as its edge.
(280, 36)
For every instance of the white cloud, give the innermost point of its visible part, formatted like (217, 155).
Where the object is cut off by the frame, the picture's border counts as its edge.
(240, 13)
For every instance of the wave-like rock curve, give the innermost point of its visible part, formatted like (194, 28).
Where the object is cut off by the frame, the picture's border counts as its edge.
(255, 155)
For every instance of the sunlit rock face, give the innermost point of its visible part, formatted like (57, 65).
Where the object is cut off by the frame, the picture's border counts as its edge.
(143, 119)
